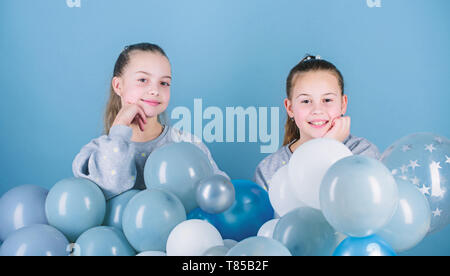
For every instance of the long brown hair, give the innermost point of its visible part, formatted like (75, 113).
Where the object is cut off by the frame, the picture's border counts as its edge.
(114, 103)
(307, 64)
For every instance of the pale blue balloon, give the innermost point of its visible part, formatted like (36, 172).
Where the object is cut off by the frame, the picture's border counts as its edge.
(22, 206)
(411, 221)
(75, 205)
(115, 207)
(306, 232)
(424, 160)
(367, 246)
(149, 217)
(219, 250)
(103, 241)
(177, 168)
(358, 195)
(35, 240)
(152, 253)
(259, 246)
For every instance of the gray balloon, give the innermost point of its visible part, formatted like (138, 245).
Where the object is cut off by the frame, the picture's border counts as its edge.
(215, 194)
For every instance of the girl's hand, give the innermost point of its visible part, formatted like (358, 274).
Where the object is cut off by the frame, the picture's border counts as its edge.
(130, 114)
(340, 129)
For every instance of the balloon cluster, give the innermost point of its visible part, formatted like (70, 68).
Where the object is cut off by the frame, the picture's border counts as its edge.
(74, 218)
(379, 207)
(325, 201)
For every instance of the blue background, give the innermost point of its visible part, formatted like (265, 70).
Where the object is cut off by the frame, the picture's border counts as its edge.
(57, 63)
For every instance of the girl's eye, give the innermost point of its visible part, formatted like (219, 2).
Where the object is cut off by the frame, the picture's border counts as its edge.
(142, 80)
(165, 83)
(305, 101)
(328, 100)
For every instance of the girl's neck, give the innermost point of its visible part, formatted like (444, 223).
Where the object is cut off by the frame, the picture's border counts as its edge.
(152, 130)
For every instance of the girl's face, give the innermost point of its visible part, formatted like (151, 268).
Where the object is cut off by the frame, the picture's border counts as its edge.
(145, 81)
(316, 100)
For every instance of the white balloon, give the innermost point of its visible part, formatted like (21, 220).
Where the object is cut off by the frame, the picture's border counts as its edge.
(281, 195)
(229, 243)
(152, 253)
(267, 228)
(192, 238)
(308, 165)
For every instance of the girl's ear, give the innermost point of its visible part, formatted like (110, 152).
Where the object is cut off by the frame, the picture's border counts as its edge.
(117, 85)
(344, 104)
(288, 107)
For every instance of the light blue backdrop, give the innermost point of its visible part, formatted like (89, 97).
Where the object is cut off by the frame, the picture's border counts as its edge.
(56, 64)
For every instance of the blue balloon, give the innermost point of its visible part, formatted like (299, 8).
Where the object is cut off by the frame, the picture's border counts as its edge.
(306, 232)
(115, 207)
(358, 195)
(250, 210)
(75, 205)
(424, 160)
(411, 221)
(103, 241)
(22, 206)
(35, 240)
(368, 246)
(177, 168)
(149, 217)
(259, 246)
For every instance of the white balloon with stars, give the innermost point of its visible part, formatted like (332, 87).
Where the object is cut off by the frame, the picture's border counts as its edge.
(424, 160)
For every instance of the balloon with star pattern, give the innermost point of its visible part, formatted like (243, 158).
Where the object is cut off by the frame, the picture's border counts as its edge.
(424, 160)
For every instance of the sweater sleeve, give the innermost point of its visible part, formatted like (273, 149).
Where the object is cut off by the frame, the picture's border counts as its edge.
(108, 161)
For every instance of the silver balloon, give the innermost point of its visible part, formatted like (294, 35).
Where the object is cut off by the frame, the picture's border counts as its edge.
(215, 194)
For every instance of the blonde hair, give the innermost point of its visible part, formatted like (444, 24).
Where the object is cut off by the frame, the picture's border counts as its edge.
(307, 64)
(114, 103)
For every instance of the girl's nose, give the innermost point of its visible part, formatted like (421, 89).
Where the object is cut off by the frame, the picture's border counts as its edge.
(153, 92)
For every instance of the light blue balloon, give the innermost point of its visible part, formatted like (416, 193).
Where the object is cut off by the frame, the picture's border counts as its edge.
(115, 207)
(367, 246)
(219, 250)
(35, 240)
(103, 241)
(75, 205)
(215, 194)
(149, 217)
(358, 195)
(424, 160)
(259, 246)
(306, 232)
(411, 221)
(177, 168)
(22, 206)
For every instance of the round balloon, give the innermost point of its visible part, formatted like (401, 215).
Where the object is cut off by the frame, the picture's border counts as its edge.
(281, 195)
(192, 238)
(424, 160)
(149, 217)
(152, 253)
(306, 232)
(178, 168)
(358, 196)
(367, 246)
(103, 241)
(215, 194)
(35, 240)
(411, 221)
(115, 207)
(267, 229)
(250, 210)
(259, 246)
(22, 206)
(308, 165)
(219, 250)
(75, 205)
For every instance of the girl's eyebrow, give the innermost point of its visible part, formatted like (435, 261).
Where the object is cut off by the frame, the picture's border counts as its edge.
(143, 72)
(309, 95)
